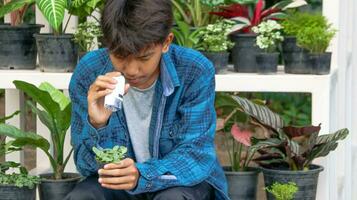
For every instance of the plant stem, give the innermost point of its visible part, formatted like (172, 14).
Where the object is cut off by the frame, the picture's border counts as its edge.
(65, 28)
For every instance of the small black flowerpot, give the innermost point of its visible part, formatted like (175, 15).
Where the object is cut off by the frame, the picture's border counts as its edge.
(267, 63)
(18, 46)
(50, 188)
(244, 52)
(219, 60)
(9, 192)
(320, 63)
(56, 53)
(242, 185)
(306, 181)
(296, 59)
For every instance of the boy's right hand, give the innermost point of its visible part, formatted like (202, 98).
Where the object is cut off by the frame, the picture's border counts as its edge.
(102, 86)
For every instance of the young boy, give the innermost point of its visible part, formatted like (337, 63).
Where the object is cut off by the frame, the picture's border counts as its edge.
(168, 118)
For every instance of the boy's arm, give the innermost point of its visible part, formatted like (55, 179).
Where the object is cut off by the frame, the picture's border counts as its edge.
(191, 161)
(83, 135)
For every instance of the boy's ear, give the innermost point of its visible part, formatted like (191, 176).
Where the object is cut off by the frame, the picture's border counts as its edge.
(167, 42)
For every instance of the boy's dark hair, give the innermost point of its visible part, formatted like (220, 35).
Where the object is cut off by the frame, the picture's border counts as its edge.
(130, 26)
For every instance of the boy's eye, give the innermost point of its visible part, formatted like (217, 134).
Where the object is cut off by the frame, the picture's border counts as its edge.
(144, 58)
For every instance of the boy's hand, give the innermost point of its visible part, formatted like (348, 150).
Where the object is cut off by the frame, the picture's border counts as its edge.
(102, 86)
(122, 176)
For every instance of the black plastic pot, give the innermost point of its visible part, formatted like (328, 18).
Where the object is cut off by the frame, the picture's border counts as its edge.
(18, 46)
(56, 53)
(51, 189)
(8, 192)
(267, 63)
(219, 60)
(305, 180)
(244, 53)
(242, 185)
(320, 63)
(296, 59)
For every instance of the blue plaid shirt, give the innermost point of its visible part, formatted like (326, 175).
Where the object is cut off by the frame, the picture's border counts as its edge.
(182, 128)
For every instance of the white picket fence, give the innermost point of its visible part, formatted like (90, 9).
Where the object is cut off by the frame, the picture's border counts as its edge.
(334, 99)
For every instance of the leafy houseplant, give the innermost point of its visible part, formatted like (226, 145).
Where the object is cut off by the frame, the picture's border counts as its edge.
(21, 185)
(247, 14)
(85, 36)
(283, 191)
(105, 156)
(17, 37)
(233, 118)
(214, 43)
(55, 114)
(268, 39)
(316, 40)
(288, 152)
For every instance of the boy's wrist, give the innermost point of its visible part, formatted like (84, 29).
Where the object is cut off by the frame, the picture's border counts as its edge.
(95, 124)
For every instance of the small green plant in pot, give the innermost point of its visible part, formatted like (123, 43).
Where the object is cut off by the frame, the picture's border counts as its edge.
(15, 182)
(283, 191)
(268, 39)
(85, 37)
(17, 37)
(185, 36)
(214, 43)
(113, 155)
(316, 39)
(244, 135)
(287, 154)
(55, 113)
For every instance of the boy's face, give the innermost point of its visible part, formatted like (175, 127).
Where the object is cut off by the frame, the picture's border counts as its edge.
(142, 70)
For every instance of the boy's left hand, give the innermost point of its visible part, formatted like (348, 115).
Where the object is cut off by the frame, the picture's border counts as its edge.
(122, 176)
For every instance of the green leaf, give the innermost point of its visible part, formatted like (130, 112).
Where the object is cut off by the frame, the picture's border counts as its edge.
(57, 96)
(333, 137)
(44, 116)
(24, 138)
(13, 5)
(2, 120)
(53, 10)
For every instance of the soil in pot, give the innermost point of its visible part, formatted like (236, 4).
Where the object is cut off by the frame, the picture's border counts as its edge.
(296, 59)
(267, 63)
(320, 63)
(242, 185)
(244, 53)
(18, 46)
(219, 60)
(56, 53)
(57, 189)
(8, 192)
(305, 180)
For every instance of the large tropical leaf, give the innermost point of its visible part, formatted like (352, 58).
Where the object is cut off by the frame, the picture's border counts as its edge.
(14, 5)
(44, 117)
(24, 138)
(261, 113)
(57, 96)
(53, 10)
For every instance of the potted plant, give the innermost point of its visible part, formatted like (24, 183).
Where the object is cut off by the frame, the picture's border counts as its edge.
(85, 37)
(247, 14)
(18, 44)
(280, 191)
(268, 39)
(214, 43)
(287, 155)
(15, 185)
(316, 39)
(113, 155)
(55, 113)
(244, 135)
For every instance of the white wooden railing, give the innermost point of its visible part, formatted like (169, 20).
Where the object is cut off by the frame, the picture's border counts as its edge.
(334, 99)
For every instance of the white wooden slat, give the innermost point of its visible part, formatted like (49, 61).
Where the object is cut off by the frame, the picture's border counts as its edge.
(72, 24)
(40, 19)
(12, 104)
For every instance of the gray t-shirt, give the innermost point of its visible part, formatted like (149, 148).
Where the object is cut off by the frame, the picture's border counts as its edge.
(137, 106)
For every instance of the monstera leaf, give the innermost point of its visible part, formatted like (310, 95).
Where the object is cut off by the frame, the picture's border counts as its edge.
(53, 10)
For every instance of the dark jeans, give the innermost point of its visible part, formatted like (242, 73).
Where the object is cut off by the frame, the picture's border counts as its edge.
(90, 189)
